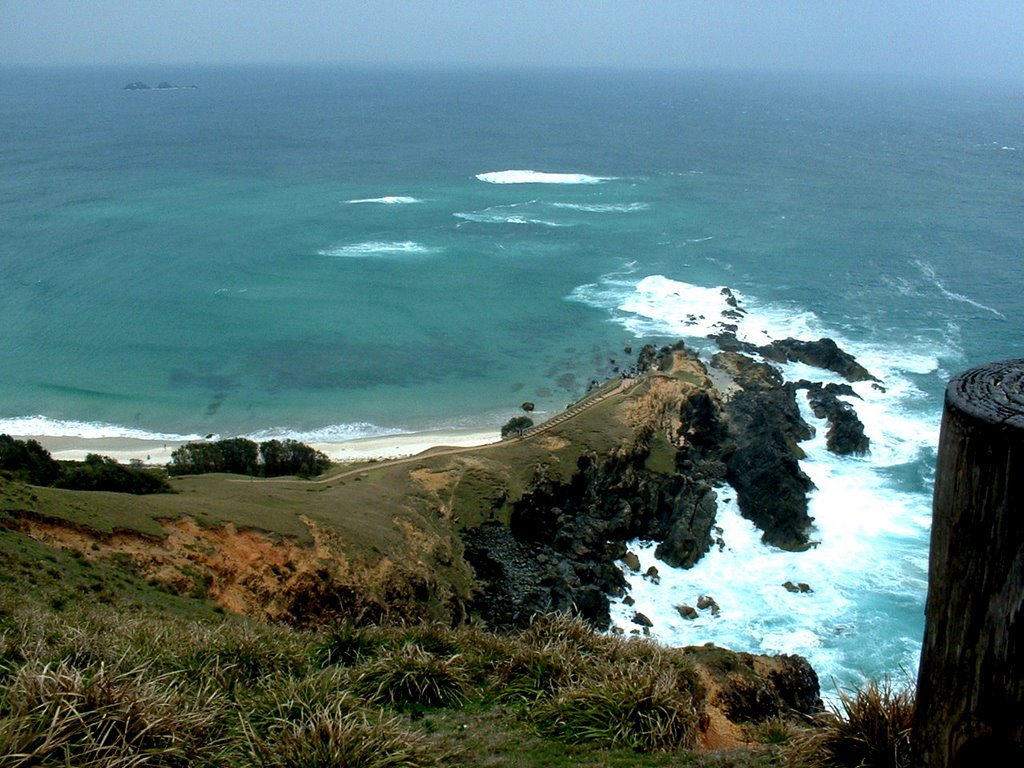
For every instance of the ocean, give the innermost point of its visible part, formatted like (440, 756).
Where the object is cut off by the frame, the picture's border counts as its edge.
(331, 253)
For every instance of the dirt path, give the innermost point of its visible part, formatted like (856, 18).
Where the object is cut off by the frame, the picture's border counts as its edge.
(589, 401)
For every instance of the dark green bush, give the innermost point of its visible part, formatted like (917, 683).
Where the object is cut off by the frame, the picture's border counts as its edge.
(101, 473)
(27, 460)
(290, 457)
(241, 456)
(516, 426)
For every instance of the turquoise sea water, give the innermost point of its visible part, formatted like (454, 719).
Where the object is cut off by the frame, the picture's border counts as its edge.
(329, 253)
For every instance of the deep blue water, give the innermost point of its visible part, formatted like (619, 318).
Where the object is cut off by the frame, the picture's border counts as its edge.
(324, 253)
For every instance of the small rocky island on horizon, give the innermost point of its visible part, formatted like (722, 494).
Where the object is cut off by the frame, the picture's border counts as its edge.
(138, 85)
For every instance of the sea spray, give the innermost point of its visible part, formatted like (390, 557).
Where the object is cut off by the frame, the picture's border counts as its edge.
(870, 531)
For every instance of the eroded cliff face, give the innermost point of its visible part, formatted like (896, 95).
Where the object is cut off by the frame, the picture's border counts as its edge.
(265, 576)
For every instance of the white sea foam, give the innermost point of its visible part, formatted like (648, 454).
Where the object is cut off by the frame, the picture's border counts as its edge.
(387, 200)
(498, 217)
(929, 272)
(603, 207)
(378, 248)
(332, 433)
(868, 571)
(22, 426)
(539, 177)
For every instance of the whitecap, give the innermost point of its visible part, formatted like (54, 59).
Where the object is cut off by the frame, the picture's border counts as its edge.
(540, 177)
(378, 248)
(387, 200)
(41, 426)
(602, 207)
(490, 217)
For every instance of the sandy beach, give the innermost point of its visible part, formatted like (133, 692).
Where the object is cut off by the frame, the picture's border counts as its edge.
(158, 452)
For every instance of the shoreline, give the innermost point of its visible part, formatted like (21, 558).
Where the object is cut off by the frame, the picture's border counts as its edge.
(158, 452)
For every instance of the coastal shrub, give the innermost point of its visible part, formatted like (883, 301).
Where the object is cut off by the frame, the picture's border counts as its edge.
(102, 473)
(515, 426)
(409, 676)
(27, 460)
(290, 457)
(868, 728)
(329, 737)
(639, 707)
(241, 456)
(236, 455)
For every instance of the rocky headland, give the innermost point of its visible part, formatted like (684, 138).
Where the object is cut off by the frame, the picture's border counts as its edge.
(534, 525)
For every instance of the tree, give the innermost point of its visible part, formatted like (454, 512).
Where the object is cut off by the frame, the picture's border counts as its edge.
(27, 459)
(290, 457)
(102, 473)
(516, 426)
(236, 455)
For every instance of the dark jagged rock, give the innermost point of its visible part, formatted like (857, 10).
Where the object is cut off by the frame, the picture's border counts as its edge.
(845, 434)
(754, 689)
(727, 341)
(823, 353)
(771, 489)
(797, 684)
(747, 372)
(688, 535)
(516, 586)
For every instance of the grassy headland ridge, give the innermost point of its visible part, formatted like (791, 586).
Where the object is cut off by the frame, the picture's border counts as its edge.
(239, 620)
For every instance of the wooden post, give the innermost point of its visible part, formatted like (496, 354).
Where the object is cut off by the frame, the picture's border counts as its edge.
(970, 688)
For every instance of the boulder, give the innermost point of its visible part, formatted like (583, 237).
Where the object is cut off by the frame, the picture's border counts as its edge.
(631, 561)
(642, 621)
(688, 612)
(707, 601)
(800, 587)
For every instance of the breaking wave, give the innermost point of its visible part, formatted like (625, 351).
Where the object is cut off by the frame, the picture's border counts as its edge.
(540, 177)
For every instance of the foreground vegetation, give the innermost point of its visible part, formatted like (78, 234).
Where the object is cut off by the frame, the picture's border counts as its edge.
(92, 686)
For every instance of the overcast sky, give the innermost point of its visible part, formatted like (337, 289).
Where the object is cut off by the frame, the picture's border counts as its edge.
(973, 38)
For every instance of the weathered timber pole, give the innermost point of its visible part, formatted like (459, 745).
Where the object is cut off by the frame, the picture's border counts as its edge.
(970, 688)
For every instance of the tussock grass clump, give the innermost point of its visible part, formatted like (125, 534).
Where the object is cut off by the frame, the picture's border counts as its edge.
(570, 631)
(869, 728)
(65, 715)
(327, 738)
(294, 700)
(234, 655)
(348, 644)
(410, 676)
(643, 708)
(530, 673)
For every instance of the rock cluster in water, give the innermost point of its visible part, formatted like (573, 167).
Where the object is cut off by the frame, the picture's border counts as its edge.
(565, 539)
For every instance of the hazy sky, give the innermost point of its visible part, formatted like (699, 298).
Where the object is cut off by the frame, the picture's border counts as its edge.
(914, 37)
